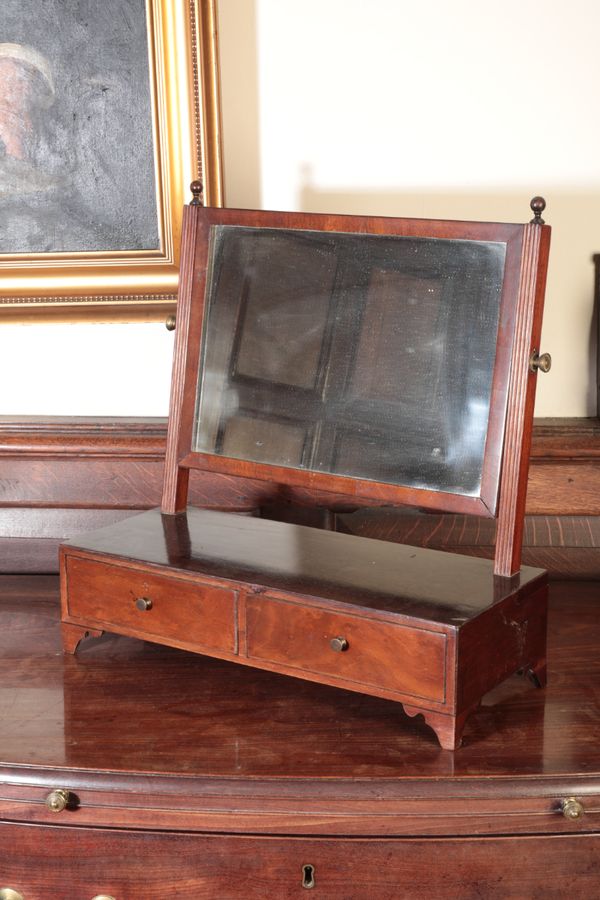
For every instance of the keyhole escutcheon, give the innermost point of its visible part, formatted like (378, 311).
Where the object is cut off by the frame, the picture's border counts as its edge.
(308, 876)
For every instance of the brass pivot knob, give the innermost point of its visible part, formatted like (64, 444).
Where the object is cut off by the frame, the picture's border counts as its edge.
(170, 323)
(58, 800)
(339, 644)
(543, 362)
(143, 604)
(572, 808)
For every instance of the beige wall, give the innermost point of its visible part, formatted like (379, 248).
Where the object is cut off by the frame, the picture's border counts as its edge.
(461, 109)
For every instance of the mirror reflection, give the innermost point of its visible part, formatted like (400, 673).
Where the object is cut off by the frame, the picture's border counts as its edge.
(362, 355)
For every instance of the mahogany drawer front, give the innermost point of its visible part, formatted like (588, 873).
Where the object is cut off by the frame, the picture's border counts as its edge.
(83, 863)
(403, 659)
(288, 810)
(183, 611)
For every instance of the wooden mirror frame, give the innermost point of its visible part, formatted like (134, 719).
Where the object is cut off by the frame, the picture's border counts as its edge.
(508, 441)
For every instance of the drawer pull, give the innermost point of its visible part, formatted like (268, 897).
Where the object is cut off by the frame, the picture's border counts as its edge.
(9, 894)
(57, 801)
(143, 604)
(101, 897)
(308, 876)
(339, 644)
(572, 809)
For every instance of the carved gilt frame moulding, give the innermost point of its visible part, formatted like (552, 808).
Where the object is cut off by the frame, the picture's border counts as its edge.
(185, 110)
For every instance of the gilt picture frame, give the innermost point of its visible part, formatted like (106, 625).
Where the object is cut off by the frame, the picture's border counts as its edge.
(104, 122)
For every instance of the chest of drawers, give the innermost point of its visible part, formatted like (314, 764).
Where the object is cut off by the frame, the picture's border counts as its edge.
(185, 776)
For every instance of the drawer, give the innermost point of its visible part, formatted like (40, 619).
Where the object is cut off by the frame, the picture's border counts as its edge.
(381, 655)
(318, 806)
(188, 612)
(84, 863)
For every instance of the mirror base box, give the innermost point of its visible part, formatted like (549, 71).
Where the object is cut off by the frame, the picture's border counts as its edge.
(430, 630)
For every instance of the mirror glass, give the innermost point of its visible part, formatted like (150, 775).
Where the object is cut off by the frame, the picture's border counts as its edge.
(362, 355)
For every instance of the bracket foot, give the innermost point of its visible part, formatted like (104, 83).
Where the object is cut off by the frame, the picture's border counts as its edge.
(72, 635)
(448, 729)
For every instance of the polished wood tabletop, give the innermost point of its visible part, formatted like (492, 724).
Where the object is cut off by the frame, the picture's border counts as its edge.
(121, 706)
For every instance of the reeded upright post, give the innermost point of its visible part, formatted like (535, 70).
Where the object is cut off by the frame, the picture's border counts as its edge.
(521, 394)
(176, 478)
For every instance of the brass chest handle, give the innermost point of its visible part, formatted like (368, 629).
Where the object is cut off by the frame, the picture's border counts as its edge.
(57, 801)
(571, 808)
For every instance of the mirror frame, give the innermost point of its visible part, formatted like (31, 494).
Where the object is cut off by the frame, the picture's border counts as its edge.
(513, 384)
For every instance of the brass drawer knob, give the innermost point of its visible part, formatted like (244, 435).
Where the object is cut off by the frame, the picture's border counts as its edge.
(9, 894)
(58, 800)
(542, 363)
(572, 808)
(339, 644)
(143, 604)
(101, 897)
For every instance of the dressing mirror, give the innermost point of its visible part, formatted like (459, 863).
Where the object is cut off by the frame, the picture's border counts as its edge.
(382, 360)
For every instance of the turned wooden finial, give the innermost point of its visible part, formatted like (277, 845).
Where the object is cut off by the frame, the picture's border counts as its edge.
(196, 187)
(538, 205)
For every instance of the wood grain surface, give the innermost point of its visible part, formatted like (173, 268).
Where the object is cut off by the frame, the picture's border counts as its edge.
(72, 863)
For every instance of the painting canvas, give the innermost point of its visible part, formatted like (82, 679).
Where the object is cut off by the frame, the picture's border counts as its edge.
(77, 164)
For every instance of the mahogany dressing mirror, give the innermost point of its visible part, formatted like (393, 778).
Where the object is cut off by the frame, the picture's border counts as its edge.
(380, 359)
(384, 361)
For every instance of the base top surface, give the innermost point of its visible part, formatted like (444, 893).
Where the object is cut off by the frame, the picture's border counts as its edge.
(427, 584)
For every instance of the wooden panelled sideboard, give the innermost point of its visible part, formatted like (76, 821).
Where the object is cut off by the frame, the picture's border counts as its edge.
(62, 476)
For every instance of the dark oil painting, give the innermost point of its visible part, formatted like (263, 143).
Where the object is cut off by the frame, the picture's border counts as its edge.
(76, 146)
